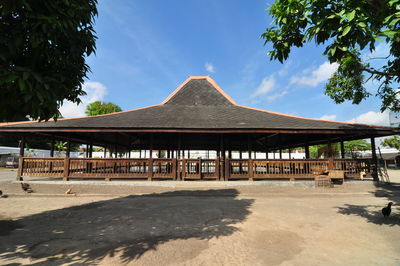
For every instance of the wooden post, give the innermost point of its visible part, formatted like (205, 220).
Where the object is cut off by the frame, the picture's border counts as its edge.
(221, 143)
(52, 147)
(66, 168)
(307, 151)
(150, 173)
(68, 152)
(290, 153)
(183, 173)
(251, 172)
(175, 168)
(91, 150)
(266, 154)
(280, 153)
(374, 160)
(105, 152)
(342, 153)
(51, 153)
(21, 158)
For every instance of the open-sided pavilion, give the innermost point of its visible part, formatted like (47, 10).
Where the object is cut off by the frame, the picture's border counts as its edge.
(198, 115)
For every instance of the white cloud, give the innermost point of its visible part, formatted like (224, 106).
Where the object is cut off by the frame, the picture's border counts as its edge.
(328, 117)
(372, 118)
(209, 68)
(275, 96)
(95, 91)
(267, 85)
(316, 76)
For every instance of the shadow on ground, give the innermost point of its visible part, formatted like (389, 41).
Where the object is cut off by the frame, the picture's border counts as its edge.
(373, 214)
(129, 226)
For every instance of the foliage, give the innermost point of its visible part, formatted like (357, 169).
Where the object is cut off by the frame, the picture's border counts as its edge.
(350, 147)
(43, 45)
(392, 142)
(354, 146)
(63, 146)
(100, 108)
(347, 28)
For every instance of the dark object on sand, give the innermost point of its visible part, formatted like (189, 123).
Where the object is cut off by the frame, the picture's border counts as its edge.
(2, 195)
(387, 210)
(26, 187)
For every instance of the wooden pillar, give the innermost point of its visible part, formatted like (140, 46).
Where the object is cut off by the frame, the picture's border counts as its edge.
(68, 152)
(307, 151)
(280, 153)
(230, 154)
(342, 153)
(330, 151)
(105, 152)
(116, 151)
(222, 151)
(290, 153)
(266, 154)
(374, 160)
(91, 151)
(21, 158)
(87, 151)
(52, 147)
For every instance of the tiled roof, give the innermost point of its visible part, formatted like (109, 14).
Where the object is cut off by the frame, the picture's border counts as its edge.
(197, 104)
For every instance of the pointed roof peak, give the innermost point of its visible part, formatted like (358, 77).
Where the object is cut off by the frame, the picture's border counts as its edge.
(199, 90)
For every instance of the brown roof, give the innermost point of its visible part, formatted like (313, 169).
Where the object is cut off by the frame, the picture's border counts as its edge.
(198, 104)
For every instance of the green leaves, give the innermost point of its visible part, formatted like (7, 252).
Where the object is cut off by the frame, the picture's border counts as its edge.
(345, 31)
(100, 108)
(43, 47)
(350, 16)
(347, 28)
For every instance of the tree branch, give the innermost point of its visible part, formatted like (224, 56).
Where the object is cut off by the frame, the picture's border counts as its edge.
(376, 72)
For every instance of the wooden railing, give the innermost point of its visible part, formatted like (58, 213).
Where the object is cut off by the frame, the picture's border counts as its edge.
(200, 169)
(42, 167)
(192, 169)
(306, 168)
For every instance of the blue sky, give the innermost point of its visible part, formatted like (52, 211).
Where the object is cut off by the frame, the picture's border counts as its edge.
(145, 49)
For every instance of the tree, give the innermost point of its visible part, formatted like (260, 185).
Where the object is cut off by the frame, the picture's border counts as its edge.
(43, 46)
(354, 146)
(392, 142)
(99, 108)
(351, 147)
(347, 28)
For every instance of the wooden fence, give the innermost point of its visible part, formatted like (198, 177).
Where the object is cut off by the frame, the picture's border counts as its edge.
(190, 169)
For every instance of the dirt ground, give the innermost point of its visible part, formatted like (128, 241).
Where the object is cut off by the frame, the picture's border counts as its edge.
(256, 225)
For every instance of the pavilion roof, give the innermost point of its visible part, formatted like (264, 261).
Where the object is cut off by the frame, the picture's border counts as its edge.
(198, 104)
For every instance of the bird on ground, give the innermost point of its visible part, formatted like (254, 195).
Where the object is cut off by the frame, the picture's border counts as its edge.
(387, 210)
(2, 195)
(26, 187)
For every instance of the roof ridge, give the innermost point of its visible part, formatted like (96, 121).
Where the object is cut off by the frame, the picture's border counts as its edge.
(209, 79)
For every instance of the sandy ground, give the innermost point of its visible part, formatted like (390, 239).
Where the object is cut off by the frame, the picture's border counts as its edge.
(126, 225)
